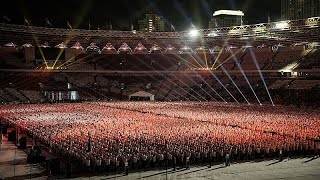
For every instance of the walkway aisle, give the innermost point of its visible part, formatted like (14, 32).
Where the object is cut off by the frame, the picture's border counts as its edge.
(13, 163)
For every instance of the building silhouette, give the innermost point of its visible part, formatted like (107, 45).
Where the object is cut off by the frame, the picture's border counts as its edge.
(299, 9)
(152, 23)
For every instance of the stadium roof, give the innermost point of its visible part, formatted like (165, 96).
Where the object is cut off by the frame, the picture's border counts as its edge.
(284, 32)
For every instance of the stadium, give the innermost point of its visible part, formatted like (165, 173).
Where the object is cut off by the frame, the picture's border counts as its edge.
(100, 102)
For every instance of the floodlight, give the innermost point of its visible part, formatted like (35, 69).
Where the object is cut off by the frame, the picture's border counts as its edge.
(213, 34)
(193, 33)
(282, 25)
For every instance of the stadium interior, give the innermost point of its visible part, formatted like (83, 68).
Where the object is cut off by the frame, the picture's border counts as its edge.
(263, 69)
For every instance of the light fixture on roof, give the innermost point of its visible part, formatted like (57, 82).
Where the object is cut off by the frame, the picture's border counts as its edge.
(312, 23)
(124, 48)
(109, 49)
(278, 47)
(11, 44)
(185, 50)
(282, 25)
(194, 33)
(77, 45)
(247, 48)
(215, 49)
(140, 49)
(201, 50)
(45, 45)
(244, 38)
(61, 46)
(213, 34)
(155, 49)
(26, 45)
(170, 49)
(93, 48)
(231, 47)
(300, 44)
(262, 46)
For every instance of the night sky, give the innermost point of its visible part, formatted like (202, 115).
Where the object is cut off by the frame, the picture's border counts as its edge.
(120, 12)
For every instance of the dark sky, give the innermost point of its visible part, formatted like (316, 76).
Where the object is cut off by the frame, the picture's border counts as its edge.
(121, 12)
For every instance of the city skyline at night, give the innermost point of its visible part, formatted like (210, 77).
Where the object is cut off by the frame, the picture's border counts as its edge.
(119, 15)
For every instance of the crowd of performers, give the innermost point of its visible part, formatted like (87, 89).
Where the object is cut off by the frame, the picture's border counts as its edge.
(158, 134)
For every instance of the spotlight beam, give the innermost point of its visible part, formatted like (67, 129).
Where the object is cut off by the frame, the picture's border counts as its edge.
(172, 82)
(195, 59)
(206, 59)
(215, 91)
(190, 88)
(169, 80)
(72, 58)
(195, 83)
(225, 88)
(217, 79)
(42, 55)
(58, 57)
(177, 78)
(261, 76)
(90, 88)
(220, 52)
(176, 83)
(220, 64)
(206, 91)
(245, 77)
(235, 85)
(204, 80)
(184, 83)
(80, 61)
(38, 45)
(183, 90)
(77, 62)
(61, 51)
(193, 90)
(185, 60)
(248, 82)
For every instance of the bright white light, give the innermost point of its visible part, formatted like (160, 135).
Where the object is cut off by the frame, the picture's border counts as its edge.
(282, 25)
(235, 32)
(50, 67)
(244, 38)
(259, 29)
(312, 23)
(193, 33)
(290, 67)
(213, 34)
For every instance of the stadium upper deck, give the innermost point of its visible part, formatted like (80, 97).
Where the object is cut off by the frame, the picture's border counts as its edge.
(284, 32)
(196, 49)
